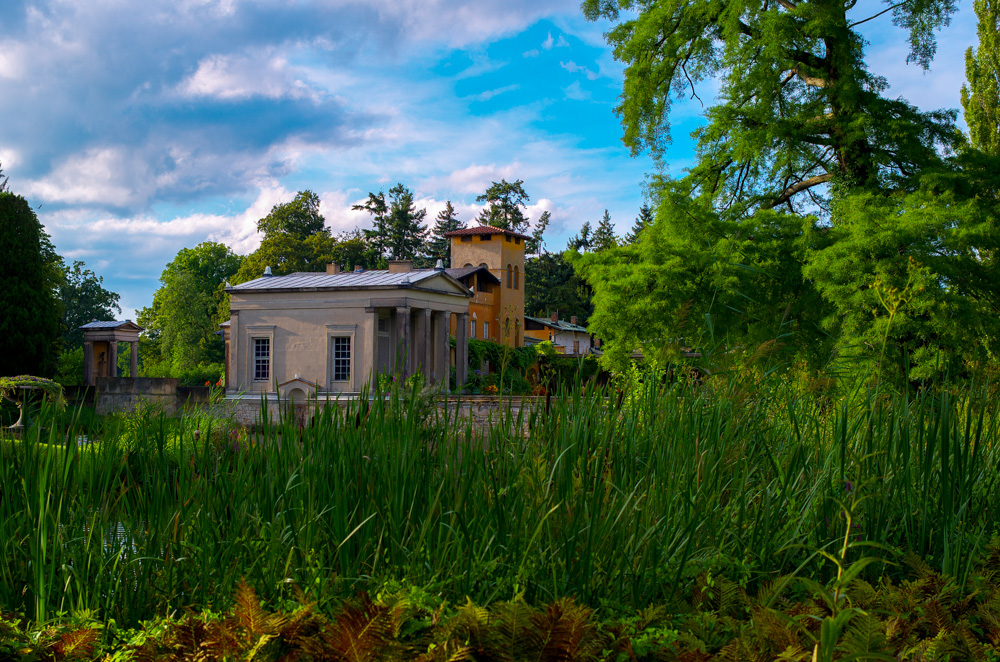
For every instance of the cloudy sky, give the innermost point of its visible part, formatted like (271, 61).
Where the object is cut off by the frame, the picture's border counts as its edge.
(139, 128)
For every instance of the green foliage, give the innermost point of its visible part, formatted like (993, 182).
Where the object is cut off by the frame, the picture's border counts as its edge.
(439, 247)
(604, 236)
(9, 386)
(551, 285)
(505, 202)
(69, 370)
(83, 299)
(981, 95)
(398, 233)
(642, 221)
(299, 218)
(508, 366)
(29, 277)
(186, 311)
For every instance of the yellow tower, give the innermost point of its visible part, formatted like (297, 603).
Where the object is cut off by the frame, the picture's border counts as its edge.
(502, 252)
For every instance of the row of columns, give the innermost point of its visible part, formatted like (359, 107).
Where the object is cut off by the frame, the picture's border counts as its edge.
(427, 347)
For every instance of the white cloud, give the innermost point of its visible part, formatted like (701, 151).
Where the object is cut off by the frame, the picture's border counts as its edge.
(241, 77)
(489, 94)
(575, 92)
(573, 68)
(534, 52)
(551, 43)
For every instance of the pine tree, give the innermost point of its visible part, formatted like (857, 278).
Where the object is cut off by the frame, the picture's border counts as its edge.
(981, 96)
(604, 235)
(439, 246)
(583, 241)
(377, 237)
(406, 238)
(536, 244)
(505, 204)
(642, 221)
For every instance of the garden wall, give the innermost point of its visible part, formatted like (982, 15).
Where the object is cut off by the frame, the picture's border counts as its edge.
(117, 394)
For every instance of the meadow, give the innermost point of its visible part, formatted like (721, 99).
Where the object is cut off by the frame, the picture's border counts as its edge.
(620, 501)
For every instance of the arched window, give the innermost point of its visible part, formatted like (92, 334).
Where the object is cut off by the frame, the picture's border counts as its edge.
(506, 328)
(517, 333)
(509, 272)
(517, 278)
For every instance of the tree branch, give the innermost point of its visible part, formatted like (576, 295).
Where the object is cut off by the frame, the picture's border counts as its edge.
(884, 11)
(799, 187)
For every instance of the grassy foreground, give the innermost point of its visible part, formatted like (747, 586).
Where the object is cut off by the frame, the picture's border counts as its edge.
(620, 503)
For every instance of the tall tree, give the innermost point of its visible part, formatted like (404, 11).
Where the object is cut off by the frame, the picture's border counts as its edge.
(29, 276)
(800, 126)
(379, 210)
(551, 286)
(583, 241)
(83, 299)
(299, 218)
(186, 311)
(536, 245)
(439, 246)
(505, 205)
(642, 221)
(981, 95)
(604, 236)
(407, 236)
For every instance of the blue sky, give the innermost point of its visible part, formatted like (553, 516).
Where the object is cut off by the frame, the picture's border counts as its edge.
(137, 129)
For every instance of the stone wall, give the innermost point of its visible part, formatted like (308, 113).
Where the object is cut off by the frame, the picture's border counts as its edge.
(119, 394)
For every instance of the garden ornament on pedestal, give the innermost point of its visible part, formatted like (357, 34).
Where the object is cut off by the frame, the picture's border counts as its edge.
(19, 386)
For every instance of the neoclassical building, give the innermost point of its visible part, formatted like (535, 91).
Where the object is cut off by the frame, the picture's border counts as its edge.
(334, 332)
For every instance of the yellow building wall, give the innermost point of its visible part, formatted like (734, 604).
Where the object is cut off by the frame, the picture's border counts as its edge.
(508, 303)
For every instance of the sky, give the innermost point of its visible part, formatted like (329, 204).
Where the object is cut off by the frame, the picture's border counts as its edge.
(136, 129)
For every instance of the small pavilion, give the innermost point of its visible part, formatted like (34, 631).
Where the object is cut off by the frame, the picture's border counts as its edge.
(100, 348)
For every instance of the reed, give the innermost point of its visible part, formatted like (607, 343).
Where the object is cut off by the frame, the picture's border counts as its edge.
(615, 501)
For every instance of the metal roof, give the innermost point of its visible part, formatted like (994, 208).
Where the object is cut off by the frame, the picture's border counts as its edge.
(484, 229)
(343, 280)
(561, 325)
(111, 324)
(463, 272)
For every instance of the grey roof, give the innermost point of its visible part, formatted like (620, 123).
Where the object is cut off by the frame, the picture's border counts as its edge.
(462, 272)
(561, 325)
(343, 280)
(112, 324)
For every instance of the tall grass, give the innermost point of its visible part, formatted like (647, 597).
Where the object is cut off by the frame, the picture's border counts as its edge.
(617, 502)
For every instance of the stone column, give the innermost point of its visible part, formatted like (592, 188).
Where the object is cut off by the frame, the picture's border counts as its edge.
(88, 363)
(427, 343)
(113, 358)
(419, 344)
(373, 343)
(442, 359)
(133, 360)
(461, 349)
(404, 353)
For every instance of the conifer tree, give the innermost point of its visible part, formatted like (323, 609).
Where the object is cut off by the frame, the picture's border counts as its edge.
(981, 95)
(642, 221)
(505, 205)
(604, 236)
(439, 246)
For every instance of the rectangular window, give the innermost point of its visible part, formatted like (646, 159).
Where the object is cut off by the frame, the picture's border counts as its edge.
(506, 238)
(517, 240)
(342, 359)
(467, 238)
(261, 359)
(472, 328)
(486, 237)
(486, 330)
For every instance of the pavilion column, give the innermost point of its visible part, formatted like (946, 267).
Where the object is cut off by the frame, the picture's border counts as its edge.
(133, 359)
(403, 352)
(113, 358)
(461, 350)
(372, 314)
(427, 343)
(420, 342)
(442, 351)
(88, 363)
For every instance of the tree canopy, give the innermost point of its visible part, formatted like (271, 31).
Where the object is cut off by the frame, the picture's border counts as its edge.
(505, 205)
(84, 299)
(439, 246)
(981, 94)
(820, 214)
(299, 218)
(29, 278)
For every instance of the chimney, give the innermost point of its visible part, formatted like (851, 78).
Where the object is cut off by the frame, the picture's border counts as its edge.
(439, 266)
(332, 269)
(572, 320)
(555, 317)
(400, 266)
(267, 272)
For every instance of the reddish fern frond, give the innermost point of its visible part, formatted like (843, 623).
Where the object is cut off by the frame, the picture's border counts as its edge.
(363, 631)
(249, 613)
(78, 644)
